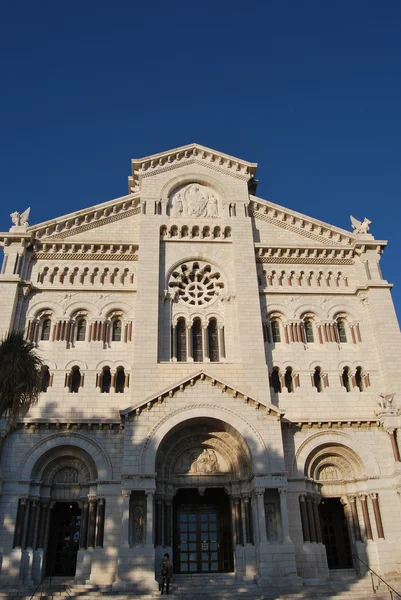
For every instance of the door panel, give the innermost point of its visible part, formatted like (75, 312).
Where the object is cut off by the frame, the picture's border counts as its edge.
(198, 539)
(335, 534)
(63, 543)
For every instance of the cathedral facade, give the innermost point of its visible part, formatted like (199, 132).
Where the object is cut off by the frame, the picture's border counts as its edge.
(220, 383)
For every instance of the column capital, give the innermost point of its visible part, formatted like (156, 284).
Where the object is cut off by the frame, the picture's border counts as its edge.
(126, 493)
(100, 501)
(352, 497)
(92, 497)
(151, 492)
(259, 491)
(302, 497)
(282, 490)
(23, 500)
(373, 495)
(363, 496)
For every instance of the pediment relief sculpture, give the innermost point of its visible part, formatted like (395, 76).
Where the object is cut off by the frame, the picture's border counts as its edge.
(195, 201)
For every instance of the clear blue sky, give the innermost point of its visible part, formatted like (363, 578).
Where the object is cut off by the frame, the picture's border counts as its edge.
(310, 89)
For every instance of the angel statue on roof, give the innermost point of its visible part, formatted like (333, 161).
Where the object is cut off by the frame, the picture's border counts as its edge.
(360, 226)
(19, 219)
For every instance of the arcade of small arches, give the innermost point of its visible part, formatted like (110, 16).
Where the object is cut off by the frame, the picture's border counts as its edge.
(85, 275)
(44, 327)
(308, 331)
(288, 379)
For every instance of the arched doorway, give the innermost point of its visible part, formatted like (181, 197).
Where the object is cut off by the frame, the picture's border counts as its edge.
(335, 469)
(201, 466)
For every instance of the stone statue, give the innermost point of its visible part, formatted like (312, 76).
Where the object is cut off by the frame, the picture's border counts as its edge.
(20, 219)
(206, 462)
(386, 400)
(66, 475)
(195, 200)
(329, 472)
(360, 227)
(138, 524)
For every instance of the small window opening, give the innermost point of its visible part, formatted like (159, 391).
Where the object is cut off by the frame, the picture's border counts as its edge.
(289, 380)
(345, 377)
(116, 331)
(120, 380)
(359, 379)
(213, 340)
(45, 381)
(342, 333)
(181, 341)
(106, 381)
(46, 327)
(276, 337)
(309, 336)
(81, 330)
(317, 379)
(197, 340)
(75, 380)
(275, 382)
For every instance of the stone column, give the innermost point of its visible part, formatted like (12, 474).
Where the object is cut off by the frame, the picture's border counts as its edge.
(83, 539)
(167, 521)
(174, 344)
(378, 519)
(260, 502)
(244, 519)
(43, 514)
(222, 342)
(366, 518)
(304, 518)
(205, 343)
(126, 494)
(311, 521)
(100, 522)
(355, 519)
(190, 357)
(92, 521)
(149, 516)
(316, 519)
(284, 515)
(33, 507)
(159, 522)
(19, 523)
(237, 520)
(394, 444)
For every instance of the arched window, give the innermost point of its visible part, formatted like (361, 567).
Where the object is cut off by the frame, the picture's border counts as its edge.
(359, 379)
(289, 380)
(46, 328)
(342, 333)
(213, 340)
(75, 380)
(181, 340)
(45, 381)
(120, 380)
(81, 330)
(105, 382)
(308, 328)
(275, 326)
(197, 340)
(345, 379)
(116, 330)
(275, 382)
(317, 379)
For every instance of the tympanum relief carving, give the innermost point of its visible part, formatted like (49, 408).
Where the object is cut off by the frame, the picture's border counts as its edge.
(200, 461)
(195, 201)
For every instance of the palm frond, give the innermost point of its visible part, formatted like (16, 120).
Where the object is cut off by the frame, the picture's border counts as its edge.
(20, 377)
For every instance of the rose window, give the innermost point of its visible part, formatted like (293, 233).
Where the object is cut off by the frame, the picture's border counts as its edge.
(196, 283)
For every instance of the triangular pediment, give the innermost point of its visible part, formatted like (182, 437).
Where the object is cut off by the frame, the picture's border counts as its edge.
(88, 223)
(191, 381)
(186, 155)
(291, 227)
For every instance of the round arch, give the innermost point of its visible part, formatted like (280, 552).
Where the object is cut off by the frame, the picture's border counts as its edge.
(75, 440)
(257, 447)
(187, 178)
(368, 464)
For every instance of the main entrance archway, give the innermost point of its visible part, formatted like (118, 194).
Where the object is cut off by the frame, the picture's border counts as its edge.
(201, 465)
(65, 526)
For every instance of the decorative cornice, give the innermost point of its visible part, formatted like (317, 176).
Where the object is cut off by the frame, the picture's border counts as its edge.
(296, 255)
(302, 424)
(171, 159)
(85, 251)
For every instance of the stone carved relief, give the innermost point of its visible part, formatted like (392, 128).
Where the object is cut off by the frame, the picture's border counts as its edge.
(206, 462)
(200, 461)
(194, 200)
(66, 475)
(329, 472)
(139, 522)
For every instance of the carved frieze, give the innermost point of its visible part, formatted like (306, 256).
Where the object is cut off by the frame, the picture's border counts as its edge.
(196, 201)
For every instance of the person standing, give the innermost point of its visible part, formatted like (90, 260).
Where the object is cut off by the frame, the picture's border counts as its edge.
(166, 572)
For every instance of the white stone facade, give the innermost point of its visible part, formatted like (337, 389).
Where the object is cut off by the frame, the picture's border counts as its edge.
(162, 317)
